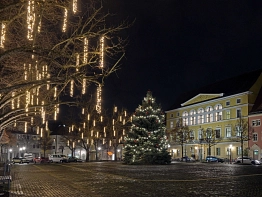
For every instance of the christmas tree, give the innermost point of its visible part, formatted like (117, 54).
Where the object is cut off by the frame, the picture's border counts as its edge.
(146, 142)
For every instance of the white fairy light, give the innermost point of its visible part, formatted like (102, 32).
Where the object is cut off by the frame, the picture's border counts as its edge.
(72, 88)
(74, 6)
(13, 101)
(85, 50)
(25, 127)
(84, 86)
(83, 110)
(65, 21)
(30, 19)
(98, 99)
(55, 92)
(2, 38)
(55, 113)
(46, 125)
(18, 102)
(77, 62)
(102, 52)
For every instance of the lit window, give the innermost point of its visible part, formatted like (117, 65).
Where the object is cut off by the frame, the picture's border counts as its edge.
(200, 116)
(209, 116)
(185, 118)
(228, 131)
(171, 124)
(218, 109)
(200, 135)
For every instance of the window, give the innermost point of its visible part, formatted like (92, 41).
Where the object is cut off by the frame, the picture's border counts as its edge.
(185, 118)
(218, 133)
(200, 116)
(209, 116)
(53, 147)
(218, 109)
(254, 137)
(228, 114)
(171, 115)
(227, 103)
(228, 131)
(238, 131)
(238, 100)
(200, 134)
(191, 135)
(239, 152)
(255, 122)
(177, 114)
(238, 113)
(218, 152)
(171, 124)
(193, 117)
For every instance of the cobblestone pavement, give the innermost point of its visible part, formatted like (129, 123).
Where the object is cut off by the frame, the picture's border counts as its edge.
(106, 179)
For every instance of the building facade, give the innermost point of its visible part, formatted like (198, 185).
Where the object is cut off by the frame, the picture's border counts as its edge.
(220, 107)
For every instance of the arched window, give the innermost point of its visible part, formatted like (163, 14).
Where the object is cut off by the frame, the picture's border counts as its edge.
(185, 118)
(200, 116)
(192, 117)
(218, 112)
(209, 115)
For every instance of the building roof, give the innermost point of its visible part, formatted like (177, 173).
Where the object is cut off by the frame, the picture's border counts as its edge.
(230, 86)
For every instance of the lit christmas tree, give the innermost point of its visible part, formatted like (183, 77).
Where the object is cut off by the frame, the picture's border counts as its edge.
(146, 143)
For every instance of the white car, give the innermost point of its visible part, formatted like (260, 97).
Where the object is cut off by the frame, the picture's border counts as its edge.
(58, 158)
(248, 160)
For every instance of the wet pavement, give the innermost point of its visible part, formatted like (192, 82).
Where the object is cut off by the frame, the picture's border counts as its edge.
(106, 179)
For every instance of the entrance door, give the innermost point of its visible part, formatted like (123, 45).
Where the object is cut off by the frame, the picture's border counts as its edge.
(255, 154)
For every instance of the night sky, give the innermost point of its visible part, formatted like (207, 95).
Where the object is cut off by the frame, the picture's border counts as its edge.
(176, 46)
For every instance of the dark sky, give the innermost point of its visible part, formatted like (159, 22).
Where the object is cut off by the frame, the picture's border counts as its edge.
(176, 46)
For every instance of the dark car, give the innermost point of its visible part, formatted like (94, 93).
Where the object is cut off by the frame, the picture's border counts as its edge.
(214, 159)
(74, 159)
(188, 159)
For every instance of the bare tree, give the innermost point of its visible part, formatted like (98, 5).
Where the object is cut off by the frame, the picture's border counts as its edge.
(181, 134)
(243, 132)
(50, 52)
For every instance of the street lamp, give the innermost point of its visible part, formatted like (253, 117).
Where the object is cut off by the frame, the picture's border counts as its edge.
(99, 148)
(230, 147)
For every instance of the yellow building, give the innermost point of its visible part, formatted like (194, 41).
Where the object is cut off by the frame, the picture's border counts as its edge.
(218, 107)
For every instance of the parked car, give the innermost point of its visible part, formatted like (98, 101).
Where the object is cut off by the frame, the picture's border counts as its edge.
(188, 159)
(248, 160)
(74, 159)
(41, 160)
(20, 160)
(58, 158)
(214, 159)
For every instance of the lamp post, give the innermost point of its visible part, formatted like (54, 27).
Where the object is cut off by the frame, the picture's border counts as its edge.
(230, 158)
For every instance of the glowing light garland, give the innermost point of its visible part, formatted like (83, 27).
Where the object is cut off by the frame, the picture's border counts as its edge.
(102, 52)
(98, 101)
(77, 62)
(84, 86)
(85, 51)
(65, 21)
(72, 88)
(30, 19)
(74, 6)
(2, 38)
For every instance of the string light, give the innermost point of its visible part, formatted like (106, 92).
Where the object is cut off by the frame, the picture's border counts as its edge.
(72, 88)
(85, 50)
(30, 19)
(84, 86)
(74, 6)
(98, 101)
(102, 52)
(2, 38)
(65, 21)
